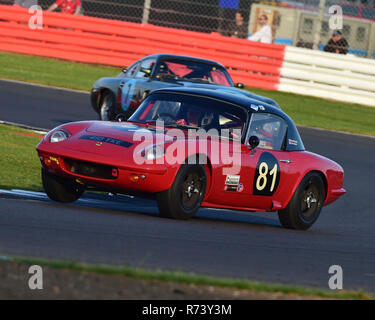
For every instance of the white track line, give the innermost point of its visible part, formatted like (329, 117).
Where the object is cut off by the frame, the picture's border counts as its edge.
(336, 131)
(5, 258)
(42, 196)
(23, 126)
(44, 86)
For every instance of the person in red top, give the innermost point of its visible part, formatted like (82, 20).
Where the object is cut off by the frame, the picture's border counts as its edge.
(67, 6)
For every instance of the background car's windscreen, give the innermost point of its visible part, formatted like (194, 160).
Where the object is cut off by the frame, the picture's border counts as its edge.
(194, 71)
(200, 112)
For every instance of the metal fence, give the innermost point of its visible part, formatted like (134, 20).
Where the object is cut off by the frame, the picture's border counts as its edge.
(294, 22)
(312, 23)
(202, 16)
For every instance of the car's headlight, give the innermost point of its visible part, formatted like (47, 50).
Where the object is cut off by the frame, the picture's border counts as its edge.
(58, 136)
(154, 152)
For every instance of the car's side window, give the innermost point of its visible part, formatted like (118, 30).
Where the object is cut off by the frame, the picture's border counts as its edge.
(234, 124)
(132, 70)
(147, 64)
(270, 129)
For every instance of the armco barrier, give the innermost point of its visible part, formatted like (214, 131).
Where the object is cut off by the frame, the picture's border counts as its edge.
(327, 75)
(118, 43)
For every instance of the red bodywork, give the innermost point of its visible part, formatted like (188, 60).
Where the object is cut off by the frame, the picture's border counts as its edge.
(126, 174)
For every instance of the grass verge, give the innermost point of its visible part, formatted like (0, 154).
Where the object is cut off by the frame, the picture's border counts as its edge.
(19, 163)
(187, 278)
(52, 72)
(305, 110)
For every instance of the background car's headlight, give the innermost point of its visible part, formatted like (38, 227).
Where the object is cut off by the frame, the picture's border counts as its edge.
(58, 136)
(154, 152)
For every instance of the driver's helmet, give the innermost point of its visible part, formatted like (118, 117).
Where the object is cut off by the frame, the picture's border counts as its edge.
(270, 129)
(163, 68)
(192, 116)
(207, 119)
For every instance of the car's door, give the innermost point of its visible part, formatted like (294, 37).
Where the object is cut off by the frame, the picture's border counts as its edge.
(126, 87)
(143, 78)
(267, 166)
(135, 89)
(264, 171)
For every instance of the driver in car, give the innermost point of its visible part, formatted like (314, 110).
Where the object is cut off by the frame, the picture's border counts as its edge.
(268, 133)
(192, 118)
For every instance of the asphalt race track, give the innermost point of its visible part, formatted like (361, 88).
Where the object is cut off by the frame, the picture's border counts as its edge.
(126, 230)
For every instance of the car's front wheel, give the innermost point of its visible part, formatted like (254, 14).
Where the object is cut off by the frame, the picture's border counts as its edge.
(107, 107)
(61, 189)
(305, 206)
(183, 199)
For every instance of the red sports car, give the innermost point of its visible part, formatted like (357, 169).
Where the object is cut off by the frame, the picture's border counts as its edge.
(191, 147)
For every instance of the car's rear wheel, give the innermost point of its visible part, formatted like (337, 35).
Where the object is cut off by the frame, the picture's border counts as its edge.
(107, 107)
(61, 189)
(183, 199)
(305, 206)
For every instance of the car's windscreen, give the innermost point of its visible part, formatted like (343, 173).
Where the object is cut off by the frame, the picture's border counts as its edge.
(193, 112)
(193, 71)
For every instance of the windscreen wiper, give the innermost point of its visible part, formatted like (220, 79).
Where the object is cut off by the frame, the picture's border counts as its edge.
(167, 76)
(180, 126)
(199, 80)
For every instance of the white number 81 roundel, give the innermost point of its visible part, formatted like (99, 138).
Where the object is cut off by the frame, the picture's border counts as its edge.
(267, 175)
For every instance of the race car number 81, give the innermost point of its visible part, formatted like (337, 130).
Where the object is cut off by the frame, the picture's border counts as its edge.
(267, 175)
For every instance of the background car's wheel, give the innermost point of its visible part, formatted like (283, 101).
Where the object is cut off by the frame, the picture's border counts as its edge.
(305, 205)
(107, 107)
(61, 189)
(183, 199)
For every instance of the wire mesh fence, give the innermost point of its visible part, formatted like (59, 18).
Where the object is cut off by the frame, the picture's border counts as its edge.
(330, 25)
(202, 16)
(304, 23)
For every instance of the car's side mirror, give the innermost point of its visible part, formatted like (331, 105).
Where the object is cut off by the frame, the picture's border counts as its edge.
(145, 94)
(253, 142)
(120, 118)
(240, 85)
(146, 71)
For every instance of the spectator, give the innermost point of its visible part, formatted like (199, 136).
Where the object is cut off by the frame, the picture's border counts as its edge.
(337, 43)
(67, 6)
(237, 28)
(26, 3)
(265, 33)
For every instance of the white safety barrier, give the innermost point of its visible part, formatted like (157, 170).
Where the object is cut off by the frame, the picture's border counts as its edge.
(327, 75)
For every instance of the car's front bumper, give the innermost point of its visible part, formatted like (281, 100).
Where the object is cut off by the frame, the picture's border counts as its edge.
(126, 177)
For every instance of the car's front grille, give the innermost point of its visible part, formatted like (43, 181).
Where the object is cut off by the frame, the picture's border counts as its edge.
(90, 169)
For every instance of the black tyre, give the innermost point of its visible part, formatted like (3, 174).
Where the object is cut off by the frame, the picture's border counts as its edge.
(107, 107)
(61, 189)
(183, 199)
(305, 206)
